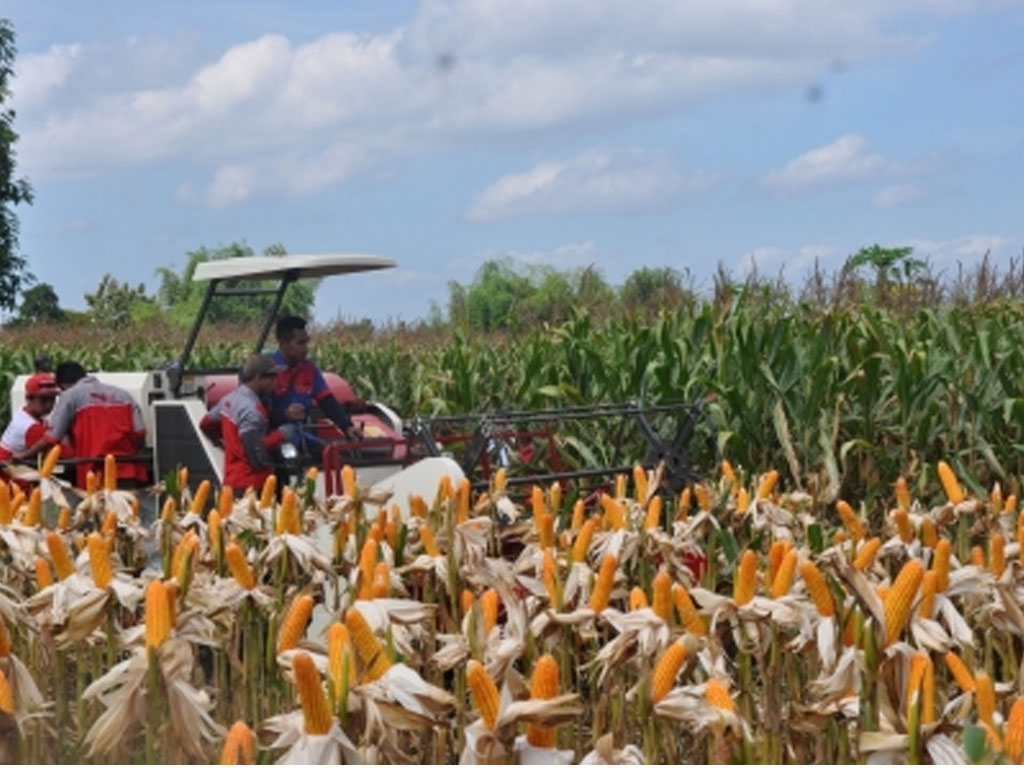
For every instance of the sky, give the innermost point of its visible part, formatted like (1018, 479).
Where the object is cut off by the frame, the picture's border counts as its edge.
(567, 133)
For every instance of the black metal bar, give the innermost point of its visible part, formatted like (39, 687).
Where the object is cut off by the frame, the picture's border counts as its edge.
(557, 414)
(193, 334)
(287, 279)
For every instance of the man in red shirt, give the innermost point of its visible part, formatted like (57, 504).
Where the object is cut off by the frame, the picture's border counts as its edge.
(98, 419)
(240, 419)
(29, 424)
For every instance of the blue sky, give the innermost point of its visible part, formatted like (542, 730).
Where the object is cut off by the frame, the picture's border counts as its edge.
(574, 133)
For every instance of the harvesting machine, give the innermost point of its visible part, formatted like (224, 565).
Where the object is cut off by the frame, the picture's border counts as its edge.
(404, 456)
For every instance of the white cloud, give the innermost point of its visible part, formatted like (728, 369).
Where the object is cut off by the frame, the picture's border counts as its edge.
(897, 195)
(38, 74)
(590, 182)
(793, 263)
(967, 248)
(848, 158)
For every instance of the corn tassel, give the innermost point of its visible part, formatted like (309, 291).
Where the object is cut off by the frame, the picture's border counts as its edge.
(268, 492)
(99, 561)
(50, 462)
(666, 670)
(603, 585)
(341, 660)
(950, 484)
(485, 693)
(294, 626)
(59, 555)
(158, 614)
(239, 566)
(316, 715)
(817, 588)
(543, 685)
(717, 695)
(767, 484)
(637, 599)
(6, 695)
(489, 604)
(367, 645)
(43, 576)
(900, 599)
(928, 584)
(943, 550)
(239, 746)
(783, 580)
(960, 673)
(1014, 731)
(867, 553)
(688, 616)
(746, 578)
(582, 544)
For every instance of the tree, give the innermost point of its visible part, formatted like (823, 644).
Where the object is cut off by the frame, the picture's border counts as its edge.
(116, 304)
(14, 274)
(39, 304)
(180, 296)
(651, 288)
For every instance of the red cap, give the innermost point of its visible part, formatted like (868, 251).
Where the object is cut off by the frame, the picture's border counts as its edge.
(41, 385)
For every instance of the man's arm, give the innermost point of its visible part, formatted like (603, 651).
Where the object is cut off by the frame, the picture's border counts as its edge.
(331, 408)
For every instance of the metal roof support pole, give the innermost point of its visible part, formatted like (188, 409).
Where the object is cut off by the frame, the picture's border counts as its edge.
(287, 280)
(193, 334)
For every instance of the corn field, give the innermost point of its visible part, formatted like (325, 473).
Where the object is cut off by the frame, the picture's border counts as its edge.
(729, 623)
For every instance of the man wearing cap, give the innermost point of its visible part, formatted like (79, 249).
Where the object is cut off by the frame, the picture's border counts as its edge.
(29, 424)
(242, 421)
(98, 419)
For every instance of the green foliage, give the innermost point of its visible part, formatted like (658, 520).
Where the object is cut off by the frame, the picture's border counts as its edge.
(39, 304)
(659, 287)
(14, 274)
(179, 297)
(116, 304)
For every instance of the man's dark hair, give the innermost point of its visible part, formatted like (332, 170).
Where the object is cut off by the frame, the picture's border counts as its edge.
(69, 373)
(287, 326)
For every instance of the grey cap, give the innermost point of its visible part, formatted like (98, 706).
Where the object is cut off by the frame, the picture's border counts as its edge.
(258, 365)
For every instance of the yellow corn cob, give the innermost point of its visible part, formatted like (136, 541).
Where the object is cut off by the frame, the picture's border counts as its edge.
(943, 550)
(489, 604)
(391, 533)
(109, 473)
(683, 505)
(158, 615)
(854, 525)
(367, 564)
(549, 575)
(466, 600)
(582, 544)
(929, 533)
(50, 462)
(172, 601)
(665, 672)
(213, 530)
(500, 479)
(199, 500)
(92, 483)
(35, 505)
(367, 645)
(59, 555)
(703, 496)
(169, 510)
(742, 500)
(950, 484)
(226, 501)
(6, 695)
(417, 506)
(776, 552)
(985, 696)
(902, 493)
(661, 588)
(239, 747)
(653, 518)
(428, 541)
(578, 510)
(960, 672)
(109, 527)
(997, 556)
(767, 484)
(462, 501)
(186, 548)
(64, 519)
(268, 492)
(640, 484)
(902, 520)
(900, 599)
(316, 715)
(1010, 505)
(746, 578)
(620, 486)
(239, 566)
(928, 692)
(1014, 731)
(5, 640)
(614, 512)
(717, 695)
(182, 478)
(43, 576)
(928, 584)
(16, 501)
(444, 489)
(537, 505)
(783, 580)
(729, 474)
(978, 556)
(850, 628)
(545, 529)
(341, 660)
(381, 580)
(484, 691)
(288, 520)
(637, 599)
(375, 534)
(348, 481)
(688, 616)
(867, 553)
(603, 585)
(99, 561)
(817, 588)
(6, 515)
(543, 685)
(294, 625)
(995, 499)
(916, 676)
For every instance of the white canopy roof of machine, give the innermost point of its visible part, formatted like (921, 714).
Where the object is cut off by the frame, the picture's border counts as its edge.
(276, 267)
